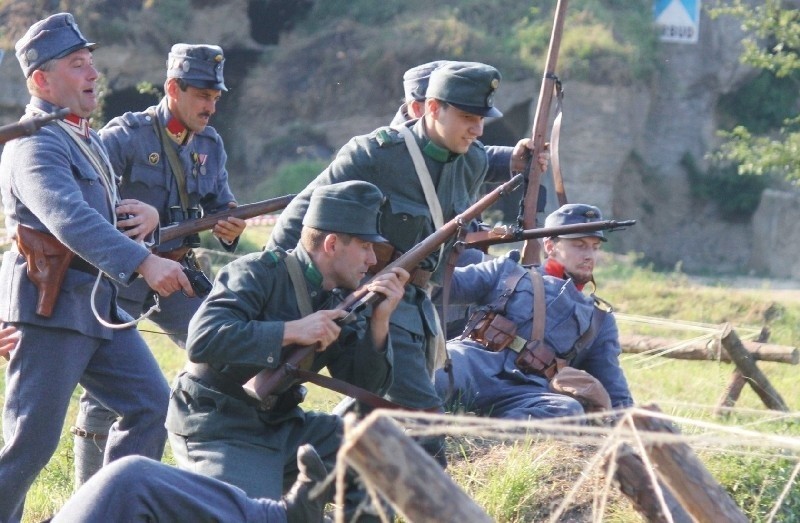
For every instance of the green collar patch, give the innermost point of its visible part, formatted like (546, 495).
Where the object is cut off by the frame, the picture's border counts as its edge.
(438, 153)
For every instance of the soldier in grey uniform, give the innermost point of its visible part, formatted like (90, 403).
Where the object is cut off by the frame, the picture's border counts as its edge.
(459, 97)
(59, 194)
(136, 489)
(252, 314)
(489, 379)
(503, 160)
(167, 156)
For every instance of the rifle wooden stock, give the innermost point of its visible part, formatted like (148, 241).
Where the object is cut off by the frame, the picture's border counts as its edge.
(28, 126)
(503, 234)
(207, 222)
(532, 252)
(269, 382)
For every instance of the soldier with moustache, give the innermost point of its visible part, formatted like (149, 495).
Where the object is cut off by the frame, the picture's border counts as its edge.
(167, 156)
(57, 283)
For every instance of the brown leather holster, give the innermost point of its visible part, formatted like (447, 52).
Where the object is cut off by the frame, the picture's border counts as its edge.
(48, 260)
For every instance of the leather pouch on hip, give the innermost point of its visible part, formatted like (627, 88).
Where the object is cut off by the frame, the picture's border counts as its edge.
(537, 358)
(48, 260)
(494, 331)
(582, 386)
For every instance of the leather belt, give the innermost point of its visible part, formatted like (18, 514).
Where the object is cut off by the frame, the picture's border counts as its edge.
(211, 377)
(79, 264)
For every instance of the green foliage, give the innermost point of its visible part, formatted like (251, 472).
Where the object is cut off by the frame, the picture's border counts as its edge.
(736, 194)
(604, 40)
(772, 43)
(762, 104)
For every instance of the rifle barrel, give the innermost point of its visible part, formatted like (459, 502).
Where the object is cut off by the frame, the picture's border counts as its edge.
(488, 238)
(207, 222)
(272, 381)
(28, 126)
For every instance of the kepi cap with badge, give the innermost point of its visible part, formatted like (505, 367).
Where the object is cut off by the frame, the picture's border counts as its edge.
(415, 80)
(469, 86)
(352, 208)
(198, 65)
(574, 213)
(54, 37)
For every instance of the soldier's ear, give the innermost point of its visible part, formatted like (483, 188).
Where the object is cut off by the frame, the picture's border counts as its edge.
(39, 79)
(329, 243)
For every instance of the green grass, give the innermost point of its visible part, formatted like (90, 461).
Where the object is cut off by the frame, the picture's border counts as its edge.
(517, 481)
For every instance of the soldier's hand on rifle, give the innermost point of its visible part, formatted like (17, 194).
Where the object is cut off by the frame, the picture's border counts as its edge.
(319, 328)
(229, 229)
(523, 150)
(164, 276)
(8, 340)
(136, 219)
(392, 286)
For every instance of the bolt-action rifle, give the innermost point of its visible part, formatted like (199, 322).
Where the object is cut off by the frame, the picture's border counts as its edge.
(505, 234)
(28, 126)
(270, 382)
(550, 83)
(250, 210)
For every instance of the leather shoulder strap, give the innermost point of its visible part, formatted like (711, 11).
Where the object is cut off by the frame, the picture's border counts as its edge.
(299, 284)
(172, 157)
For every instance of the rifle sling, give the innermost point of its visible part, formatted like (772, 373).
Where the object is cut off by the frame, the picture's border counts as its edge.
(425, 180)
(348, 389)
(173, 160)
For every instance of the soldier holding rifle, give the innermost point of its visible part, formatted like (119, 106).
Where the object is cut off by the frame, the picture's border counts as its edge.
(537, 347)
(167, 156)
(59, 196)
(430, 169)
(262, 306)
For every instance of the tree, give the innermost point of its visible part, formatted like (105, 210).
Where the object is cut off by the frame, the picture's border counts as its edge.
(772, 44)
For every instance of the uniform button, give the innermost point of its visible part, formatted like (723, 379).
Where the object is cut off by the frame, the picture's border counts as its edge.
(313, 294)
(147, 118)
(270, 359)
(91, 182)
(121, 275)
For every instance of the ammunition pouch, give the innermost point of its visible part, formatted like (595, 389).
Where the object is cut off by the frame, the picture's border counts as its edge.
(539, 359)
(48, 260)
(492, 330)
(496, 332)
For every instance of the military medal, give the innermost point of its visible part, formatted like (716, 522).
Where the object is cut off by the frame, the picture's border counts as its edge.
(153, 158)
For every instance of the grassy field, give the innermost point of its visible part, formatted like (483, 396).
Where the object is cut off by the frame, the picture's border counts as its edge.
(525, 479)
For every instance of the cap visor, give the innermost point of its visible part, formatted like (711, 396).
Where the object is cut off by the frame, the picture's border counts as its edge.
(88, 45)
(486, 112)
(584, 235)
(200, 84)
(372, 238)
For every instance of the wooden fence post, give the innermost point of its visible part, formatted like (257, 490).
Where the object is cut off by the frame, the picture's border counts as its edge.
(406, 475)
(677, 465)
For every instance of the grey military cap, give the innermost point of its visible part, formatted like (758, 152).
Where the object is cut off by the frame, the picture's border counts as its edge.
(415, 80)
(469, 86)
(574, 213)
(352, 207)
(54, 37)
(199, 65)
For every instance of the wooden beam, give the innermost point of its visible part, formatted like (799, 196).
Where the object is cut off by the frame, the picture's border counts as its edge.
(680, 469)
(706, 349)
(404, 474)
(747, 365)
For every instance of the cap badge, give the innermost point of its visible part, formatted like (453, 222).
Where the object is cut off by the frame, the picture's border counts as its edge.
(153, 158)
(31, 55)
(218, 58)
(185, 66)
(495, 83)
(590, 214)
